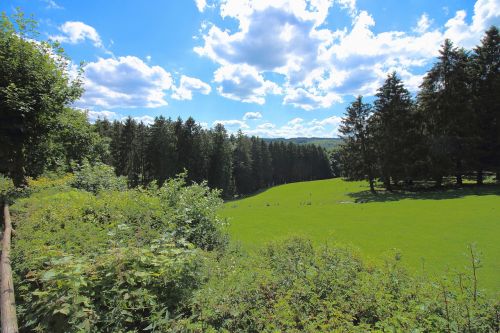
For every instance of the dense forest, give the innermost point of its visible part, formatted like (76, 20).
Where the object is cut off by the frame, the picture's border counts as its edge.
(108, 239)
(236, 164)
(452, 128)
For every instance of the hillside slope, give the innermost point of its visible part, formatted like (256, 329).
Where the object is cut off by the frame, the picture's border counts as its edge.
(432, 230)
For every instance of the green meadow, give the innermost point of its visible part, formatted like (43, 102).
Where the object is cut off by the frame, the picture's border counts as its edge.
(430, 230)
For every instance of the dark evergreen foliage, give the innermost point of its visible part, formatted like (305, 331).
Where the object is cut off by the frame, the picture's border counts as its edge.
(235, 164)
(450, 130)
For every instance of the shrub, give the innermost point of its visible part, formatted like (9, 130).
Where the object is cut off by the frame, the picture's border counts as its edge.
(123, 290)
(98, 177)
(111, 261)
(294, 287)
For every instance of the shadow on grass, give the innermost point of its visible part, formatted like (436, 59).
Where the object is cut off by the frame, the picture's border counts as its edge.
(448, 192)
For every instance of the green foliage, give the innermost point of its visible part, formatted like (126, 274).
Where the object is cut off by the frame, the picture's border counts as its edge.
(124, 289)
(434, 225)
(6, 188)
(295, 287)
(35, 87)
(98, 177)
(112, 261)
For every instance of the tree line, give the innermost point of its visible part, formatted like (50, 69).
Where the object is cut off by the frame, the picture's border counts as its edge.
(236, 164)
(40, 132)
(450, 129)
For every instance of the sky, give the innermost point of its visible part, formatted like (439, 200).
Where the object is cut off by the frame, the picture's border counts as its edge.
(272, 68)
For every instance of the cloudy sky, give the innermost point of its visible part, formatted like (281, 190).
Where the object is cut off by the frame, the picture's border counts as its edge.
(274, 68)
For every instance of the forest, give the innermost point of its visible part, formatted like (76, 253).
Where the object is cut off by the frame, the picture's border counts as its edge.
(451, 128)
(117, 224)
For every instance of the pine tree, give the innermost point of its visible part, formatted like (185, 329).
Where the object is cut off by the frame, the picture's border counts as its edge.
(161, 152)
(486, 86)
(391, 120)
(220, 167)
(242, 164)
(445, 101)
(357, 151)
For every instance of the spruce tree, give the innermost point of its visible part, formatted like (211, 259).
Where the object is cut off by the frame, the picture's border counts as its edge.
(357, 150)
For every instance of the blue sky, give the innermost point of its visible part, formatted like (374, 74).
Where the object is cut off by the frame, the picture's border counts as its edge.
(274, 68)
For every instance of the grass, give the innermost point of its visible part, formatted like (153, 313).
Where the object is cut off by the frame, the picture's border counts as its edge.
(431, 229)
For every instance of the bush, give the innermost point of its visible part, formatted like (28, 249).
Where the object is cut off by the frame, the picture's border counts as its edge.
(98, 177)
(123, 290)
(294, 287)
(6, 188)
(114, 261)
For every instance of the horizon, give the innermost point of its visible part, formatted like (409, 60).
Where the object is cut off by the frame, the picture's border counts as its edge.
(281, 70)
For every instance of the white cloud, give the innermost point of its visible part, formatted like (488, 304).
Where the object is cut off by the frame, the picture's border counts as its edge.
(147, 120)
(232, 124)
(297, 127)
(350, 5)
(74, 32)
(125, 82)
(288, 38)
(201, 4)
(486, 13)
(252, 116)
(301, 98)
(94, 115)
(187, 86)
(295, 121)
(243, 83)
(423, 24)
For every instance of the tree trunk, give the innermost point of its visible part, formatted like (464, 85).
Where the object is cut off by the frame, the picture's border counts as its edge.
(17, 168)
(372, 186)
(479, 177)
(498, 177)
(459, 173)
(7, 300)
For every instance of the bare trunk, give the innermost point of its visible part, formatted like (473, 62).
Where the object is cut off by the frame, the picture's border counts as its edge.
(7, 299)
(459, 180)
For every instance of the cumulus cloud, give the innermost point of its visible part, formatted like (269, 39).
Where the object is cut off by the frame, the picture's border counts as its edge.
(297, 127)
(125, 82)
(243, 83)
(201, 4)
(308, 101)
(74, 32)
(104, 114)
(319, 66)
(423, 24)
(486, 13)
(252, 116)
(187, 86)
(232, 125)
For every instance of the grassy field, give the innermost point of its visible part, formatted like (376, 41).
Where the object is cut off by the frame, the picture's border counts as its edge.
(432, 230)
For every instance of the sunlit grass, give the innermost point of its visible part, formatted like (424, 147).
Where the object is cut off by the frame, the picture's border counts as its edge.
(431, 229)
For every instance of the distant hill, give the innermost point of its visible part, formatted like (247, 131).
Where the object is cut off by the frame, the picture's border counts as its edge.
(327, 143)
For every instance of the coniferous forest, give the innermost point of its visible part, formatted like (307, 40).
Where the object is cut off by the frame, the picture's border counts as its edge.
(121, 226)
(450, 129)
(236, 164)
